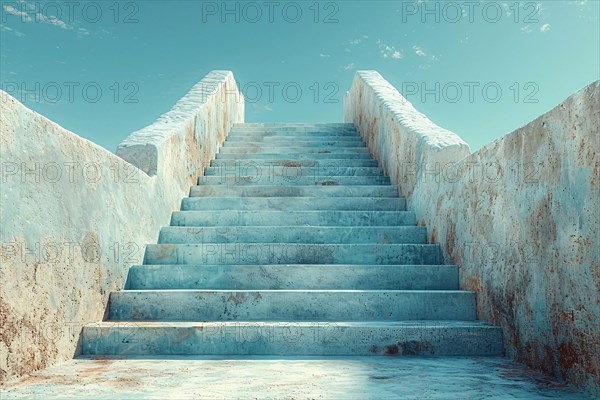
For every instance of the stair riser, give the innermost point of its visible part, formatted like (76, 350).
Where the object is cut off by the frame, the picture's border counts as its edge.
(291, 305)
(293, 204)
(293, 218)
(292, 253)
(304, 146)
(294, 234)
(293, 128)
(291, 155)
(295, 131)
(300, 340)
(267, 137)
(233, 169)
(294, 277)
(280, 162)
(300, 140)
(267, 178)
(266, 149)
(293, 191)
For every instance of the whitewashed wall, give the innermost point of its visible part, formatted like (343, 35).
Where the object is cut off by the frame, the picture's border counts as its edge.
(520, 217)
(74, 216)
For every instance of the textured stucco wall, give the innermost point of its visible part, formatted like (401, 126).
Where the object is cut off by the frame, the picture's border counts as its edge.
(74, 216)
(401, 138)
(520, 217)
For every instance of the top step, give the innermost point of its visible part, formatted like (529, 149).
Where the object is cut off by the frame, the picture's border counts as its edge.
(294, 127)
(270, 125)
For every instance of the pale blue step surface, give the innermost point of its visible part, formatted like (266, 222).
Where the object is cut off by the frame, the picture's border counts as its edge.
(226, 169)
(269, 127)
(248, 163)
(289, 218)
(294, 234)
(323, 155)
(291, 305)
(368, 338)
(294, 276)
(261, 136)
(293, 203)
(291, 179)
(261, 150)
(293, 227)
(292, 377)
(292, 253)
(301, 141)
(294, 191)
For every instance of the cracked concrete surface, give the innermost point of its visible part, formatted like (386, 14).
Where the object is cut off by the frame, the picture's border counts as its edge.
(288, 378)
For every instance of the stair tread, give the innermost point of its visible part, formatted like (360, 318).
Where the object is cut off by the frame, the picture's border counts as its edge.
(328, 209)
(283, 291)
(374, 323)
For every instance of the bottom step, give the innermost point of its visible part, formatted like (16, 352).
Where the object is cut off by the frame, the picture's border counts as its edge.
(448, 338)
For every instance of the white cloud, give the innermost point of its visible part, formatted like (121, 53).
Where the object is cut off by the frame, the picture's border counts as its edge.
(545, 28)
(57, 22)
(354, 41)
(11, 10)
(388, 51)
(526, 29)
(349, 66)
(324, 55)
(15, 32)
(82, 32)
(39, 17)
(262, 108)
(419, 51)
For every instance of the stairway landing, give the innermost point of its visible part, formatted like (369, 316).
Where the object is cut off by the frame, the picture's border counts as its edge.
(377, 378)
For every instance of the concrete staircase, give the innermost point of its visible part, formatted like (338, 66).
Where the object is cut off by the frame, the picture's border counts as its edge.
(293, 243)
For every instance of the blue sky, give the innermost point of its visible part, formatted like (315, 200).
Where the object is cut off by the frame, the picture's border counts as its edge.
(448, 58)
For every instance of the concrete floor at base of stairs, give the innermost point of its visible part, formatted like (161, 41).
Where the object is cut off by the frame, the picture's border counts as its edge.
(194, 377)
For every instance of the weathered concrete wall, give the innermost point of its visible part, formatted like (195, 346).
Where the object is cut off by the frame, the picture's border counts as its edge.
(74, 216)
(520, 217)
(400, 137)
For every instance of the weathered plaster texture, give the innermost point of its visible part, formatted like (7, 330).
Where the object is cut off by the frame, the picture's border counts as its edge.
(260, 377)
(520, 217)
(74, 216)
(401, 138)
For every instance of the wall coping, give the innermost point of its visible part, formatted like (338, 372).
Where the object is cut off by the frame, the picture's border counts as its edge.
(141, 148)
(406, 114)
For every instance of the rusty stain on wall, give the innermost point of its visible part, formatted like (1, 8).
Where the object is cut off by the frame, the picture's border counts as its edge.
(520, 219)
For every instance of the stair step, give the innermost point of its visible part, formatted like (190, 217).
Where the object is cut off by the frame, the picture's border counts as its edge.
(292, 253)
(225, 168)
(296, 132)
(293, 203)
(293, 191)
(294, 234)
(240, 139)
(293, 126)
(266, 149)
(293, 218)
(267, 178)
(301, 143)
(280, 162)
(293, 277)
(295, 155)
(291, 305)
(423, 338)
